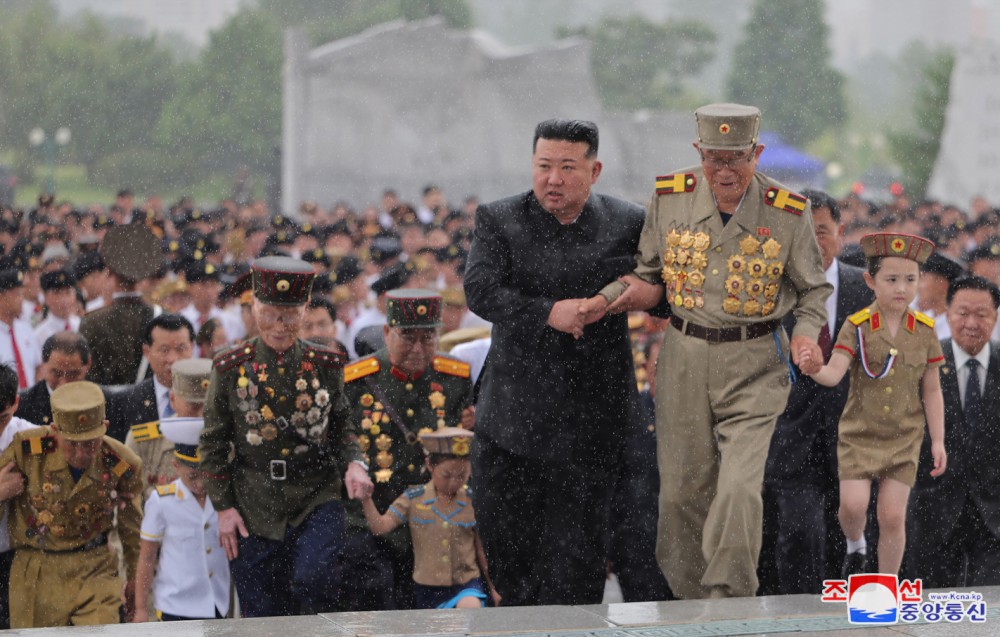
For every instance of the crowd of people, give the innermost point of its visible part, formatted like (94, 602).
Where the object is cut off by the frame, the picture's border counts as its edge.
(307, 408)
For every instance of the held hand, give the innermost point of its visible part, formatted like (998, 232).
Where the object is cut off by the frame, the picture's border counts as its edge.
(357, 482)
(565, 317)
(593, 309)
(806, 354)
(129, 601)
(11, 481)
(140, 616)
(639, 295)
(469, 417)
(940, 459)
(230, 521)
(495, 596)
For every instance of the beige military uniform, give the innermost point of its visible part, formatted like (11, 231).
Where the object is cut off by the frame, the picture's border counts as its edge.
(444, 545)
(720, 392)
(156, 453)
(882, 428)
(63, 571)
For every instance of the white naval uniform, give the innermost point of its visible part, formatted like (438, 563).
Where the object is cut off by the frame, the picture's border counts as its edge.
(192, 577)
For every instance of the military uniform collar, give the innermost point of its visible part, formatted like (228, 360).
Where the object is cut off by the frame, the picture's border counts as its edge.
(403, 376)
(292, 353)
(747, 215)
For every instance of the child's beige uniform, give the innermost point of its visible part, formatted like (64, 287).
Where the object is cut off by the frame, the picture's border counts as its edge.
(883, 422)
(444, 546)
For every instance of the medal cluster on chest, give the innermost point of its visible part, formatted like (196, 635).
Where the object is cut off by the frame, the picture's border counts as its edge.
(261, 404)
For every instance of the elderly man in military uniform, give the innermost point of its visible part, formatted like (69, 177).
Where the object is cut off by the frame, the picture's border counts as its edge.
(401, 390)
(734, 252)
(275, 444)
(76, 479)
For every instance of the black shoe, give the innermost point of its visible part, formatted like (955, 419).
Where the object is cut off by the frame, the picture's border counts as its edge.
(854, 563)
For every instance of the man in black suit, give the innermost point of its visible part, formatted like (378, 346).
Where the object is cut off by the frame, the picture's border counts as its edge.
(166, 339)
(801, 487)
(953, 527)
(557, 395)
(65, 359)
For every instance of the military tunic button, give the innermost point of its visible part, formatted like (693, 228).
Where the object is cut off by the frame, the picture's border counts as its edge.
(887, 409)
(409, 412)
(409, 386)
(411, 467)
(444, 524)
(444, 543)
(445, 558)
(888, 390)
(651, 427)
(892, 372)
(285, 452)
(206, 526)
(715, 270)
(210, 573)
(208, 550)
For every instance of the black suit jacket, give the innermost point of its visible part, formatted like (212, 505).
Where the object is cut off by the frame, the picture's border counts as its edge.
(545, 394)
(35, 406)
(973, 470)
(813, 409)
(133, 405)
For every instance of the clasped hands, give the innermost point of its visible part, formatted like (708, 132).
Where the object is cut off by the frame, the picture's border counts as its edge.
(572, 315)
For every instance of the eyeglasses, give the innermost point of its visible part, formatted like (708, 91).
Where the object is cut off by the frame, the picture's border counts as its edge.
(731, 164)
(423, 337)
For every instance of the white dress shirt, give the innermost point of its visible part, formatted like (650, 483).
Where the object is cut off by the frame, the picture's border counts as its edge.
(27, 346)
(192, 576)
(53, 325)
(961, 358)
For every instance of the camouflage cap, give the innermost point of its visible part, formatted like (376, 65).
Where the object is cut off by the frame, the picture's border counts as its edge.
(892, 244)
(413, 308)
(78, 410)
(282, 280)
(727, 126)
(190, 378)
(132, 252)
(453, 441)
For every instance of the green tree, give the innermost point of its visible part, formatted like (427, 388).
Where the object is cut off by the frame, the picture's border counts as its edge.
(642, 64)
(782, 65)
(916, 150)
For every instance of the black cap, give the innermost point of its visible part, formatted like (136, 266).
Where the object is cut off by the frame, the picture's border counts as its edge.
(348, 269)
(57, 280)
(200, 271)
(392, 278)
(87, 263)
(10, 279)
(943, 266)
(384, 248)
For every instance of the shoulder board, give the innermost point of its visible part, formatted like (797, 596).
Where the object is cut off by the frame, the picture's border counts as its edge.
(859, 317)
(116, 465)
(146, 431)
(361, 368)
(37, 445)
(324, 357)
(233, 357)
(452, 367)
(923, 318)
(415, 492)
(785, 200)
(679, 182)
(167, 489)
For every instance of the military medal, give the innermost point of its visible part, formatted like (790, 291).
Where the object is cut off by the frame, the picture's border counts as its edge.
(749, 245)
(864, 359)
(771, 249)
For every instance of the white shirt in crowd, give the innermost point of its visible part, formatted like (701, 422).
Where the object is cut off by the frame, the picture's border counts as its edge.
(27, 345)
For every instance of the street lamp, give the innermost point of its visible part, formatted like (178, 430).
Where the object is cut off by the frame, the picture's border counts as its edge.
(36, 138)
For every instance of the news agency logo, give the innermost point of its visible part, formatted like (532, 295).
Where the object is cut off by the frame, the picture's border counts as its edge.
(873, 598)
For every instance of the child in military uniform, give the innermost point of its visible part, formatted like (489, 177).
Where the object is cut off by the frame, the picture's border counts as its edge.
(180, 529)
(893, 354)
(449, 562)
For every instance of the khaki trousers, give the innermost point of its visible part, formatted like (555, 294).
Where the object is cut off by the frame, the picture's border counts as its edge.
(63, 589)
(716, 406)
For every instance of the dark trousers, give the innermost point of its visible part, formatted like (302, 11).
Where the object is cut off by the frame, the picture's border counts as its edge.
(298, 575)
(969, 557)
(376, 575)
(802, 537)
(6, 559)
(543, 526)
(167, 617)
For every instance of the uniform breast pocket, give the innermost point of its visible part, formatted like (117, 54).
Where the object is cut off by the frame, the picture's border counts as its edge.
(185, 536)
(911, 365)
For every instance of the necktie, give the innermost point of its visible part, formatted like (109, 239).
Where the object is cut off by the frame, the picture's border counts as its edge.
(168, 409)
(22, 380)
(67, 326)
(825, 342)
(973, 396)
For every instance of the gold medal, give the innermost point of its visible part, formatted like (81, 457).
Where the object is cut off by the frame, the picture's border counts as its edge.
(771, 249)
(893, 351)
(751, 307)
(682, 257)
(384, 459)
(737, 263)
(755, 287)
(678, 300)
(731, 305)
(268, 432)
(687, 239)
(673, 238)
(696, 279)
(775, 269)
(667, 274)
(770, 290)
(382, 475)
(699, 302)
(734, 284)
(749, 245)
(698, 260)
(668, 256)
(383, 442)
(756, 268)
(364, 442)
(768, 308)
(688, 302)
(701, 241)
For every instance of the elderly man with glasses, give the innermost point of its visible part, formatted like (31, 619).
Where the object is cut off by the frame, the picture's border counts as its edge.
(277, 441)
(734, 252)
(394, 394)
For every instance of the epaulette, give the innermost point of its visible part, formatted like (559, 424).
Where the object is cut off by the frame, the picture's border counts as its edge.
(452, 367)
(37, 445)
(233, 357)
(923, 318)
(146, 431)
(324, 357)
(361, 368)
(785, 200)
(679, 182)
(859, 317)
(116, 465)
(167, 489)
(415, 492)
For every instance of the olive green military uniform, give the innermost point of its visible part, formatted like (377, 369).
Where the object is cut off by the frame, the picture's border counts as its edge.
(63, 573)
(719, 393)
(156, 453)
(882, 428)
(285, 416)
